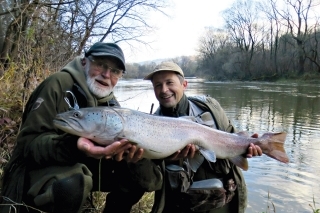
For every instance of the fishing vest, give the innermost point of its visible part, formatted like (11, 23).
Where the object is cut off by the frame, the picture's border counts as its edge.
(208, 111)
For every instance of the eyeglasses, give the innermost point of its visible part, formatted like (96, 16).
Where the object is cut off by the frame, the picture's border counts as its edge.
(114, 72)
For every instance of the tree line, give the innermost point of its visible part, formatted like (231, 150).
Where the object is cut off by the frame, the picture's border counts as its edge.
(261, 40)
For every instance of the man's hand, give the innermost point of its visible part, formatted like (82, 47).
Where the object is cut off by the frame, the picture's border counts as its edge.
(133, 154)
(119, 150)
(98, 152)
(254, 150)
(187, 151)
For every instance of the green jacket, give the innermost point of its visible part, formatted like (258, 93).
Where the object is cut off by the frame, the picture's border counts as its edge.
(39, 143)
(239, 201)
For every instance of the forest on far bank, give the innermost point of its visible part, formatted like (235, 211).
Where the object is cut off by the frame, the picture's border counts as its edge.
(261, 41)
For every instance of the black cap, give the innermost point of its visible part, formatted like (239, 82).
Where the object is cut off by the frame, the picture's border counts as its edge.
(107, 49)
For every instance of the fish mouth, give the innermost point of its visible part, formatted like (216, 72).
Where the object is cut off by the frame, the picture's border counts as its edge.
(67, 126)
(60, 123)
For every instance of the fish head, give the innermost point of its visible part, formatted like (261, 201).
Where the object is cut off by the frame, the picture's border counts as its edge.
(99, 124)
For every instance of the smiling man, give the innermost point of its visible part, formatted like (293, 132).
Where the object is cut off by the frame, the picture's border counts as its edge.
(229, 193)
(54, 171)
(168, 85)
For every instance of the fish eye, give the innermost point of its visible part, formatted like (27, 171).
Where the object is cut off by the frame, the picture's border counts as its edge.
(76, 114)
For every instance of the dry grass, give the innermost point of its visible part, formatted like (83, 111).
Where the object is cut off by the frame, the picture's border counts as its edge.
(143, 206)
(10, 116)
(98, 202)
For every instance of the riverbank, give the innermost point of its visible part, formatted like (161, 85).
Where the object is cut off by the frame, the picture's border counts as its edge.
(312, 79)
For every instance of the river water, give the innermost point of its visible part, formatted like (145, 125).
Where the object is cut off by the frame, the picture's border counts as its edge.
(258, 108)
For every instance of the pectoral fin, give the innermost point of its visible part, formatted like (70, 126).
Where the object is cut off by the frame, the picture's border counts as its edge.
(209, 155)
(195, 162)
(240, 161)
(198, 159)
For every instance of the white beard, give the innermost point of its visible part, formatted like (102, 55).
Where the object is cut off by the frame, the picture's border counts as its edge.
(95, 88)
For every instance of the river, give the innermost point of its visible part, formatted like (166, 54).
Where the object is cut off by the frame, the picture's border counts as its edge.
(257, 108)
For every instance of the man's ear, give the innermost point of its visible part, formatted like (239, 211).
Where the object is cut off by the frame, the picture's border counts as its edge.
(185, 84)
(83, 61)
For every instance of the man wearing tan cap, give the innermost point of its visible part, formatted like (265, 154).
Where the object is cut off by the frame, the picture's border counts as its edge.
(229, 193)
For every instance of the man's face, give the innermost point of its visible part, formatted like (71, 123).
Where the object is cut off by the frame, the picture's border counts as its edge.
(101, 74)
(168, 88)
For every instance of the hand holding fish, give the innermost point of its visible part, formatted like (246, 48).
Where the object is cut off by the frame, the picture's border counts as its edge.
(254, 150)
(187, 152)
(98, 152)
(132, 155)
(190, 150)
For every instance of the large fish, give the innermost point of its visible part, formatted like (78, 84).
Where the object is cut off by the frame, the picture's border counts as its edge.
(161, 136)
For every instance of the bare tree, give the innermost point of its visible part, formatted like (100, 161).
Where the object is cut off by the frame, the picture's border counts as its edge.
(187, 64)
(72, 25)
(45, 34)
(242, 23)
(297, 19)
(212, 41)
(214, 48)
(270, 10)
(312, 47)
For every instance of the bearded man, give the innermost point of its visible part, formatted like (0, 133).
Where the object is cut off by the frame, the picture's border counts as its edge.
(54, 171)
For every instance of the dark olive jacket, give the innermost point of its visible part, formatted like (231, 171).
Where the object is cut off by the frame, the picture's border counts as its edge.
(239, 201)
(39, 143)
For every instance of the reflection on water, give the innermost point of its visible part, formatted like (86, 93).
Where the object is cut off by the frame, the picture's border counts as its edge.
(258, 108)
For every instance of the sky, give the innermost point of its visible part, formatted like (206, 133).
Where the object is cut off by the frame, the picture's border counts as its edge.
(178, 35)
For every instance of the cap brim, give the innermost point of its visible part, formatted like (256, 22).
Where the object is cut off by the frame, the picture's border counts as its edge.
(108, 54)
(148, 77)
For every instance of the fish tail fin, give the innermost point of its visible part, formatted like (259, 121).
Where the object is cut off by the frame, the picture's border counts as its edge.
(272, 144)
(240, 161)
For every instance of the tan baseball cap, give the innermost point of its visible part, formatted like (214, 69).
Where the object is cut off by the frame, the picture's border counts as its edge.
(165, 66)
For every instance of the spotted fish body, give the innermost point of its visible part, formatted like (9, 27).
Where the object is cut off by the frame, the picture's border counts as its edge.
(161, 136)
